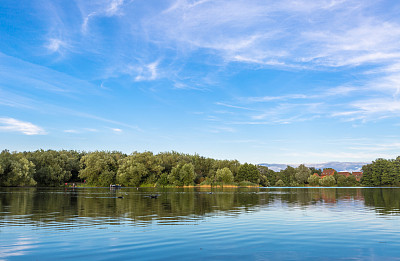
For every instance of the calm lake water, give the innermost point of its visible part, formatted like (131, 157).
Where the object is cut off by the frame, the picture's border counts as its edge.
(194, 224)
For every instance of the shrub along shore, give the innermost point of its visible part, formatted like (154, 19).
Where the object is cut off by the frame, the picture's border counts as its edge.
(101, 168)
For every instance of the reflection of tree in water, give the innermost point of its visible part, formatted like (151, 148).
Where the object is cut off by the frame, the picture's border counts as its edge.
(383, 200)
(102, 206)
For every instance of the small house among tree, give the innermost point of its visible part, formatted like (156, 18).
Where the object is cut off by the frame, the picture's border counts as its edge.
(344, 173)
(358, 175)
(328, 172)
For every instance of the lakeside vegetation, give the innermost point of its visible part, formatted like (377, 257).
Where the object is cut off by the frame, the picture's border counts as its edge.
(102, 168)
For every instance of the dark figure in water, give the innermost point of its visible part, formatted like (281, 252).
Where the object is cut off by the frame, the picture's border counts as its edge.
(154, 196)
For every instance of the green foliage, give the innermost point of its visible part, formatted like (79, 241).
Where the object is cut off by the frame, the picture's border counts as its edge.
(327, 181)
(163, 180)
(280, 183)
(51, 166)
(314, 170)
(267, 176)
(138, 169)
(288, 175)
(15, 170)
(342, 181)
(131, 173)
(302, 174)
(381, 172)
(264, 181)
(314, 180)
(248, 172)
(351, 181)
(182, 175)
(224, 176)
(99, 168)
(102, 168)
(247, 184)
(187, 174)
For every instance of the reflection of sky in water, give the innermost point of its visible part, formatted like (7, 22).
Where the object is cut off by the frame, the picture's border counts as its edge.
(304, 226)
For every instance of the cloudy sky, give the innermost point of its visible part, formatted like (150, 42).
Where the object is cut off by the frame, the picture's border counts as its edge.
(290, 81)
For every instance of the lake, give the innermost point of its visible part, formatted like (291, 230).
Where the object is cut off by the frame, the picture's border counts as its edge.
(200, 224)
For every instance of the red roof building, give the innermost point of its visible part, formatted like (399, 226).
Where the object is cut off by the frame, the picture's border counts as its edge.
(358, 175)
(344, 173)
(327, 172)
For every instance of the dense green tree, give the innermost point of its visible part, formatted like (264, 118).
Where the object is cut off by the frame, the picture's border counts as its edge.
(15, 170)
(169, 160)
(99, 168)
(248, 172)
(381, 172)
(366, 178)
(51, 167)
(342, 181)
(233, 166)
(151, 163)
(267, 176)
(202, 166)
(182, 175)
(314, 170)
(302, 174)
(351, 181)
(288, 175)
(264, 181)
(327, 181)
(313, 180)
(131, 173)
(187, 174)
(280, 183)
(163, 180)
(224, 176)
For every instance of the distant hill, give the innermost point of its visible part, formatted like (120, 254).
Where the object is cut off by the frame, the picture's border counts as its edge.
(338, 166)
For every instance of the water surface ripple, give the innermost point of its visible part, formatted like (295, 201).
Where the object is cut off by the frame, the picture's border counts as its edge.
(200, 224)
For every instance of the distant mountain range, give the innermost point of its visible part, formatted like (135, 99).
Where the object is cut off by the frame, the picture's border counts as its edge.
(338, 166)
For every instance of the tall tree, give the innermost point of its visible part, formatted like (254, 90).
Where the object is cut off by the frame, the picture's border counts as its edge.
(99, 168)
(224, 176)
(51, 167)
(15, 170)
(248, 172)
(302, 174)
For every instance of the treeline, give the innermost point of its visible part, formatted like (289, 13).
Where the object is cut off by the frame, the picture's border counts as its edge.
(382, 172)
(102, 168)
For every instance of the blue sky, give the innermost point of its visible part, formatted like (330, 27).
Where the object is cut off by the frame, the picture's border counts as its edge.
(289, 81)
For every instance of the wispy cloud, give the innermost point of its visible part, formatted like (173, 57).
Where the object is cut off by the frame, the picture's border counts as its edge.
(116, 130)
(14, 125)
(56, 45)
(222, 129)
(91, 129)
(147, 72)
(71, 131)
(233, 106)
(110, 8)
(327, 33)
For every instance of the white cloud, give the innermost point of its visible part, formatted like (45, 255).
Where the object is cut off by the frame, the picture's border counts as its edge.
(233, 106)
(147, 72)
(114, 7)
(116, 130)
(71, 131)
(108, 9)
(222, 129)
(14, 125)
(327, 33)
(91, 129)
(54, 45)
